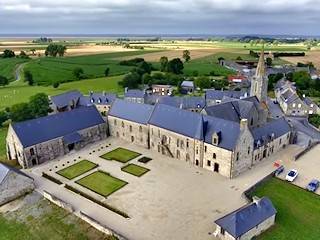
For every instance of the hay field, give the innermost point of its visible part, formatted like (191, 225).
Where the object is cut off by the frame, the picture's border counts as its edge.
(312, 56)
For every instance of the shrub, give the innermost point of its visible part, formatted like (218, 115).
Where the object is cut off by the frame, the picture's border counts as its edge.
(105, 205)
(52, 179)
(144, 160)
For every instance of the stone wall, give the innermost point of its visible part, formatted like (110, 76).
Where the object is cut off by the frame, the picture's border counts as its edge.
(14, 147)
(180, 146)
(14, 186)
(99, 226)
(58, 201)
(129, 131)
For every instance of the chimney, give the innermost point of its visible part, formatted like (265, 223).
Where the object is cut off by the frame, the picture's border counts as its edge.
(243, 123)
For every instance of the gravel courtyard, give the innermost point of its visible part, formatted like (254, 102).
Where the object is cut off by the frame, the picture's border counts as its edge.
(172, 201)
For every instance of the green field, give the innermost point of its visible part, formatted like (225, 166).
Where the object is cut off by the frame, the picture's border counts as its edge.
(298, 214)
(135, 170)
(47, 70)
(17, 93)
(121, 155)
(46, 221)
(8, 66)
(101, 183)
(77, 169)
(3, 135)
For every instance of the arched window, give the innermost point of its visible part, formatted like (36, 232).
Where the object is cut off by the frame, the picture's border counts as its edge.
(214, 155)
(130, 128)
(132, 138)
(122, 124)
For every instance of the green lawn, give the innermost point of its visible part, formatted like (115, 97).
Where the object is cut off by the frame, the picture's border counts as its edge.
(101, 183)
(47, 70)
(8, 66)
(121, 155)
(20, 92)
(77, 169)
(3, 135)
(45, 221)
(298, 214)
(135, 170)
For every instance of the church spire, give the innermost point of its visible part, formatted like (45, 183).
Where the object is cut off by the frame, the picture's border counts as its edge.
(261, 68)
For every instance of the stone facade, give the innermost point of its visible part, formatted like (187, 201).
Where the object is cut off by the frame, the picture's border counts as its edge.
(49, 150)
(129, 131)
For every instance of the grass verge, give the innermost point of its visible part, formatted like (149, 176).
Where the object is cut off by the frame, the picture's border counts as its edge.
(121, 155)
(77, 169)
(135, 170)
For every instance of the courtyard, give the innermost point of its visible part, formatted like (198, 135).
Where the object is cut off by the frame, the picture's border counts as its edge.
(173, 200)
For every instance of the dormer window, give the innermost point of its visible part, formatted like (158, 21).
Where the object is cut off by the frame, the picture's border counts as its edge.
(92, 100)
(215, 138)
(99, 100)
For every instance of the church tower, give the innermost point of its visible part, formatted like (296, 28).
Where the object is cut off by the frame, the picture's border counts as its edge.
(259, 82)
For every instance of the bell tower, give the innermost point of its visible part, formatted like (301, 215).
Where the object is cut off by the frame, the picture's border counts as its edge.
(259, 82)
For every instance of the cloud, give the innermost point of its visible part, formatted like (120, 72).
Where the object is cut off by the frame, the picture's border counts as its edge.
(160, 16)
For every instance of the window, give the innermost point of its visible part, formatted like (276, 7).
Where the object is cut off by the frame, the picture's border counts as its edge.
(187, 157)
(115, 122)
(237, 159)
(31, 151)
(299, 105)
(178, 143)
(197, 150)
(182, 144)
(311, 105)
(205, 148)
(130, 128)
(222, 231)
(187, 143)
(122, 124)
(140, 129)
(280, 141)
(214, 155)
(178, 154)
(215, 141)
(248, 150)
(132, 138)
(251, 122)
(293, 105)
(197, 162)
(208, 163)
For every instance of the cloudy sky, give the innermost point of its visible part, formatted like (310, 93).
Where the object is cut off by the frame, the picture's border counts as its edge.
(160, 16)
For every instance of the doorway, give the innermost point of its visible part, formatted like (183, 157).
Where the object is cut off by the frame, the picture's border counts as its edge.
(71, 147)
(216, 167)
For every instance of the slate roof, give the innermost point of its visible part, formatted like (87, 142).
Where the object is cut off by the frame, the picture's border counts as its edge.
(135, 112)
(263, 134)
(242, 220)
(134, 93)
(232, 110)
(219, 94)
(98, 99)
(5, 170)
(64, 99)
(39, 130)
(183, 102)
(188, 84)
(176, 120)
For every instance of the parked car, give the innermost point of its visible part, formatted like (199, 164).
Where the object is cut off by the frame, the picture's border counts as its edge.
(313, 185)
(292, 175)
(279, 170)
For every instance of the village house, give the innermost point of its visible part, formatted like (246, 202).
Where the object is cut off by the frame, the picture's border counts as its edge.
(135, 96)
(162, 90)
(187, 87)
(290, 102)
(247, 222)
(36, 141)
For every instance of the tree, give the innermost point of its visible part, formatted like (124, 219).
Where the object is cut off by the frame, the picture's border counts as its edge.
(269, 61)
(163, 63)
(39, 105)
(146, 78)
(106, 71)
(175, 66)
(203, 82)
(78, 73)
(302, 80)
(23, 55)
(3, 117)
(28, 77)
(55, 84)
(55, 49)
(3, 81)
(33, 50)
(8, 54)
(20, 112)
(186, 55)
(131, 80)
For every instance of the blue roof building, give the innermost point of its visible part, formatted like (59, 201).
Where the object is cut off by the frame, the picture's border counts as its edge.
(248, 221)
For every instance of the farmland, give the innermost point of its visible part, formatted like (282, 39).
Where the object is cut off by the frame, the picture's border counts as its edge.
(8, 66)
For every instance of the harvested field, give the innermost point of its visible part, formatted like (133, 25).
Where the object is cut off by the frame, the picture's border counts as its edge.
(312, 56)
(195, 54)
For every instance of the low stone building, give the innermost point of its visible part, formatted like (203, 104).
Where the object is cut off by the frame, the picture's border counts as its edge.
(162, 90)
(247, 222)
(290, 102)
(187, 87)
(65, 101)
(135, 96)
(36, 141)
(13, 184)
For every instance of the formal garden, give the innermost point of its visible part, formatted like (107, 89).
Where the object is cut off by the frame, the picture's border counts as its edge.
(135, 170)
(77, 169)
(121, 155)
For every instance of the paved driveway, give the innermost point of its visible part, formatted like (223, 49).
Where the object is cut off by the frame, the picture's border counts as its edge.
(172, 201)
(308, 167)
